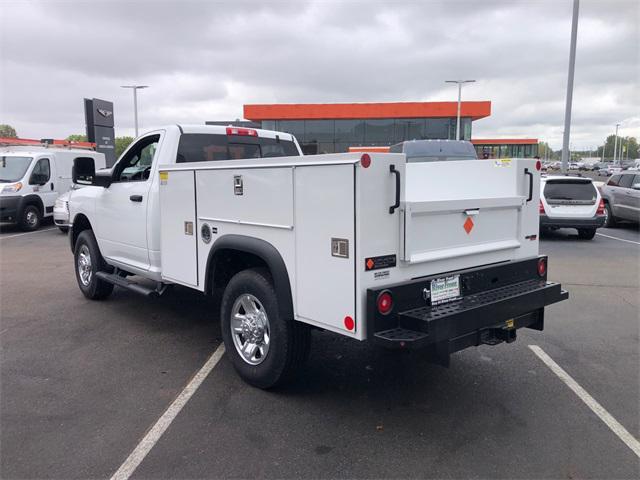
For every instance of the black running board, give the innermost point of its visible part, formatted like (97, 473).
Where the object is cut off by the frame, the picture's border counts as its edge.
(122, 282)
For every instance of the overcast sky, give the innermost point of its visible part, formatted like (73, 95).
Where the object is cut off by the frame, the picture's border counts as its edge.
(203, 60)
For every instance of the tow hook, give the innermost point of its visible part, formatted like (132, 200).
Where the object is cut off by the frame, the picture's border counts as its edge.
(493, 336)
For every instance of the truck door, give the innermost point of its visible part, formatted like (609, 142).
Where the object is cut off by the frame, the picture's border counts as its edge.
(41, 181)
(122, 208)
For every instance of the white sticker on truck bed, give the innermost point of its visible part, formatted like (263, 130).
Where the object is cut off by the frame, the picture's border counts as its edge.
(445, 289)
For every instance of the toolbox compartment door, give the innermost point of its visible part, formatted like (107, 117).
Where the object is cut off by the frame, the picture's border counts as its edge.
(463, 208)
(178, 247)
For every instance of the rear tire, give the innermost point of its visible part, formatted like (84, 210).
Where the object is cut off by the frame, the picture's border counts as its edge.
(274, 347)
(609, 219)
(30, 218)
(586, 233)
(88, 261)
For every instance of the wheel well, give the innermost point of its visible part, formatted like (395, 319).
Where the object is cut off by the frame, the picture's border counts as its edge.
(35, 201)
(226, 262)
(232, 253)
(80, 224)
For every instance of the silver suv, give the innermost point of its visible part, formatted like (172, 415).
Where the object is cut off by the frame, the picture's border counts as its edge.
(621, 195)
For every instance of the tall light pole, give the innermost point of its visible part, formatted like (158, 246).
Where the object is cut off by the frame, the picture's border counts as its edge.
(572, 64)
(459, 82)
(615, 145)
(135, 89)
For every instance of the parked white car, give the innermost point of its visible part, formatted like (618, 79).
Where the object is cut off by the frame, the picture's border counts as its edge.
(571, 202)
(61, 212)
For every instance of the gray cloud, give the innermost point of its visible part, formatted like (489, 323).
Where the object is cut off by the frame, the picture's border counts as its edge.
(204, 60)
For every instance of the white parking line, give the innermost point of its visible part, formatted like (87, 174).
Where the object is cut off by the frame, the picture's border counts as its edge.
(615, 426)
(616, 238)
(151, 438)
(27, 233)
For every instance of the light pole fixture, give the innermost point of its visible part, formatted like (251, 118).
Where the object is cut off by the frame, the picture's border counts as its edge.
(135, 89)
(572, 64)
(615, 145)
(459, 82)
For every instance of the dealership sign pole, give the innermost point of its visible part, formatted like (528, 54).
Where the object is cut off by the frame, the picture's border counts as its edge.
(135, 102)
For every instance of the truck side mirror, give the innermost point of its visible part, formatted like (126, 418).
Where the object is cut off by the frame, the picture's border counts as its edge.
(83, 171)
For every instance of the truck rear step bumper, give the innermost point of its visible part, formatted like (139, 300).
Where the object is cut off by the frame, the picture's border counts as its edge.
(486, 317)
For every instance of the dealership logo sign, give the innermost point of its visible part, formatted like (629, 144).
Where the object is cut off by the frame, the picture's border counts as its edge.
(105, 113)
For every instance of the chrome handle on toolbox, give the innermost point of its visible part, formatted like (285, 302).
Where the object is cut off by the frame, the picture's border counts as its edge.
(527, 172)
(392, 169)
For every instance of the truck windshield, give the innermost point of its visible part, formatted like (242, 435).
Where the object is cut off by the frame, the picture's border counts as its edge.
(206, 147)
(570, 191)
(12, 168)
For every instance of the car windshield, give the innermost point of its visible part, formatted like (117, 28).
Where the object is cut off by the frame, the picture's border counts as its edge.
(12, 168)
(570, 191)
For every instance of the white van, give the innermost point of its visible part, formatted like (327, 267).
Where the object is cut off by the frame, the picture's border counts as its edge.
(32, 177)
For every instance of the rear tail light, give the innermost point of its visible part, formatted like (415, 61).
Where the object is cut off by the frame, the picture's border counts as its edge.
(542, 266)
(385, 302)
(365, 160)
(600, 210)
(247, 132)
(541, 208)
(538, 165)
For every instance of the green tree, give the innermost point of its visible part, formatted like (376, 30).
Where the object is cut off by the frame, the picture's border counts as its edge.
(545, 151)
(121, 144)
(7, 131)
(76, 137)
(626, 145)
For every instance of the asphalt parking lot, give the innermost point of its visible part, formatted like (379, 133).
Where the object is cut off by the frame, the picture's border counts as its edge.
(83, 382)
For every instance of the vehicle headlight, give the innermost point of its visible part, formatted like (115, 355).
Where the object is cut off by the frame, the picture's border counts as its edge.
(62, 205)
(12, 187)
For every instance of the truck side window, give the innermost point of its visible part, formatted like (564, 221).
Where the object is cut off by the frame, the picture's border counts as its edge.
(136, 165)
(41, 172)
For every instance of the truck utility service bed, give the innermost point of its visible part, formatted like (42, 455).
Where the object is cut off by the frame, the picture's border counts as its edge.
(405, 254)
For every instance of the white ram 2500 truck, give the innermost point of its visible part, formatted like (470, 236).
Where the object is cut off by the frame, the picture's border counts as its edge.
(435, 255)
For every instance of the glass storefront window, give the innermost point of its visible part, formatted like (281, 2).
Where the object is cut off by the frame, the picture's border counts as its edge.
(380, 131)
(437, 128)
(268, 125)
(349, 131)
(319, 131)
(409, 129)
(295, 127)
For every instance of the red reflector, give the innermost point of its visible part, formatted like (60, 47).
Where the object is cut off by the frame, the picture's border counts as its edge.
(247, 132)
(385, 302)
(365, 160)
(541, 209)
(349, 323)
(538, 165)
(542, 267)
(600, 210)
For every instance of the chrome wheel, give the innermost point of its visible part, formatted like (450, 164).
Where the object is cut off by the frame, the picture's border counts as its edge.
(84, 265)
(250, 329)
(606, 218)
(32, 218)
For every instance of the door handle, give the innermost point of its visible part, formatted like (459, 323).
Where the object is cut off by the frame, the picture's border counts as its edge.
(135, 198)
(392, 169)
(527, 172)
(52, 187)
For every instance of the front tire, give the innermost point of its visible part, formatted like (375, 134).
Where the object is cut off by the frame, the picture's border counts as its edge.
(88, 261)
(30, 218)
(586, 233)
(266, 349)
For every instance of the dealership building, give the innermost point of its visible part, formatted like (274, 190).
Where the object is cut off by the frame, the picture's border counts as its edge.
(335, 127)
